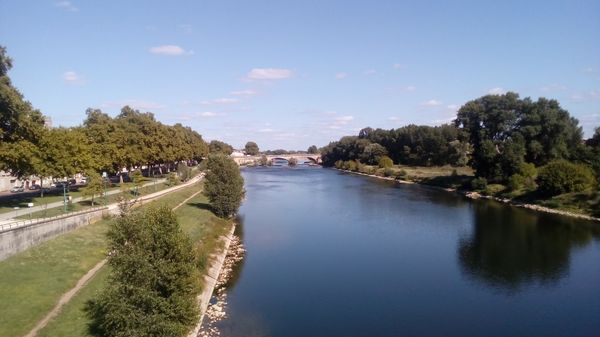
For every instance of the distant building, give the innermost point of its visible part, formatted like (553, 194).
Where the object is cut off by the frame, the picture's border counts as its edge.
(237, 153)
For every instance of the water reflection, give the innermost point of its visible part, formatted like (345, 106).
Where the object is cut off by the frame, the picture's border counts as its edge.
(511, 248)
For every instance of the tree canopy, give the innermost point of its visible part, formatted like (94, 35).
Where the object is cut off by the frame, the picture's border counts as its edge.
(251, 148)
(224, 185)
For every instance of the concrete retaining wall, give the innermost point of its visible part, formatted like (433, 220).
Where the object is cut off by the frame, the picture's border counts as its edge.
(19, 239)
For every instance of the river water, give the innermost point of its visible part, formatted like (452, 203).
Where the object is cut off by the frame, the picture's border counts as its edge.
(334, 254)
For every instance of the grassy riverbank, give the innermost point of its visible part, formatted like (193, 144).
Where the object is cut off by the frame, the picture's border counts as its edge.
(459, 179)
(33, 281)
(195, 218)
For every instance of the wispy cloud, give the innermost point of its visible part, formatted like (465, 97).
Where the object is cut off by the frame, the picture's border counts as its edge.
(269, 74)
(266, 130)
(398, 66)
(67, 5)
(207, 114)
(431, 103)
(169, 50)
(71, 77)
(496, 91)
(225, 100)
(341, 75)
(586, 96)
(370, 72)
(590, 70)
(246, 92)
(134, 103)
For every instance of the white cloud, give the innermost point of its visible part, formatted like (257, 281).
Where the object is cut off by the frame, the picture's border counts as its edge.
(269, 74)
(221, 101)
(66, 5)
(341, 75)
(453, 107)
(344, 119)
(431, 103)
(266, 130)
(410, 88)
(497, 91)
(595, 93)
(207, 114)
(589, 70)
(247, 92)
(71, 77)
(369, 72)
(134, 103)
(399, 66)
(169, 50)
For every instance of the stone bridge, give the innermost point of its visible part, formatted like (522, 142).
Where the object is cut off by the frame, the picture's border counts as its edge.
(300, 157)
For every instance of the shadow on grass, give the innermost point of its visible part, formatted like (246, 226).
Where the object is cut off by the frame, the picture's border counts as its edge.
(451, 181)
(202, 205)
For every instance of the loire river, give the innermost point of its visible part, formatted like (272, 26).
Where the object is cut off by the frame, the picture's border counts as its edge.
(333, 254)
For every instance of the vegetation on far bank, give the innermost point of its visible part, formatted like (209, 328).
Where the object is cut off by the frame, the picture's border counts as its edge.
(519, 149)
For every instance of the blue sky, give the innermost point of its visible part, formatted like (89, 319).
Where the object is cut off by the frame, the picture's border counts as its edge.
(288, 74)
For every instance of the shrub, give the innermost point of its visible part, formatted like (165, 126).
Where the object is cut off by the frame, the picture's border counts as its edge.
(350, 165)
(183, 171)
(224, 185)
(388, 172)
(493, 189)
(385, 162)
(153, 284)
(172, 179)
(401, 174)
(561, 176)
(479, 184)
(339, 164)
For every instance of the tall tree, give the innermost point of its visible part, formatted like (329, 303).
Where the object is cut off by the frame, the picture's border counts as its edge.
(251, 148)
(216, 146)
(224, 185)
(21, 126)
(312, 149)
(152, 287)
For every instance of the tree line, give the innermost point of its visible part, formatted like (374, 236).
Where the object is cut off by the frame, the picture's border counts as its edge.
(102, 143)
(504, 138)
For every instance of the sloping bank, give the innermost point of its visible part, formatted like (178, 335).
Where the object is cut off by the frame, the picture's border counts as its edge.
(476, 195)
(211, 278)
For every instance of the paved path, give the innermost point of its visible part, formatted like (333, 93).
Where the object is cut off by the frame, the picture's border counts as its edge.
(66, 297)
(23, 211)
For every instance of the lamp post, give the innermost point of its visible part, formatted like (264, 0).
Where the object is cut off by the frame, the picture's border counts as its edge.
(65, 197)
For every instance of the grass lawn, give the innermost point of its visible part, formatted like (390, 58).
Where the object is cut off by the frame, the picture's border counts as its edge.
(204, 229)
(87, 203)
(33, 281)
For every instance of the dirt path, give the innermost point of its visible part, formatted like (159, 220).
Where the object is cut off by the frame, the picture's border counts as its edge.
(66, 297)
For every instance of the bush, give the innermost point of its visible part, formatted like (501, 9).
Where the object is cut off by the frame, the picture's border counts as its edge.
(339, 164)
(350, 165)
(385, 162)
(388, 172)
(401, 174)
(153, 284)
(173, 179)
(494, 189)
(224, 185)
(561, 176)
(479, 184)
(183, 171)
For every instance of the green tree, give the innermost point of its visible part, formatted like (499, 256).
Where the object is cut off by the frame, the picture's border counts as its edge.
(21, 126)
(153, 284)
(251, 148)
(224, 185)
(372, 153)
(216, 146)
(292, 162)
(312, 149)
(561, 176)
(385, 162)
(183, 171)
(94, 187)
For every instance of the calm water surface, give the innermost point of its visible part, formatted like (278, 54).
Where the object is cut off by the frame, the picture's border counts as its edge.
(333, 254)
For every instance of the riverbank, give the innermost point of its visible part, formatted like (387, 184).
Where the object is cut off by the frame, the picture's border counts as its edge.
(211, 279)
(477, 195)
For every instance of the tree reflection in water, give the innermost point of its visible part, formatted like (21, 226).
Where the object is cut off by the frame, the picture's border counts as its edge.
(511, 248)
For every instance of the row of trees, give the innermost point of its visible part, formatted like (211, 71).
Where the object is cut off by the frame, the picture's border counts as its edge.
(409, 145)
(503, 137)
(101, 143)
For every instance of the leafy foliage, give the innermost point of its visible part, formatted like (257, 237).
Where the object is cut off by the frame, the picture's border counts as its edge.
(216, 146)
(94, 187)
(312, 149)
(224, 185)
(153, 283)
(561, 176)
(385, 162)
(251, 148)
